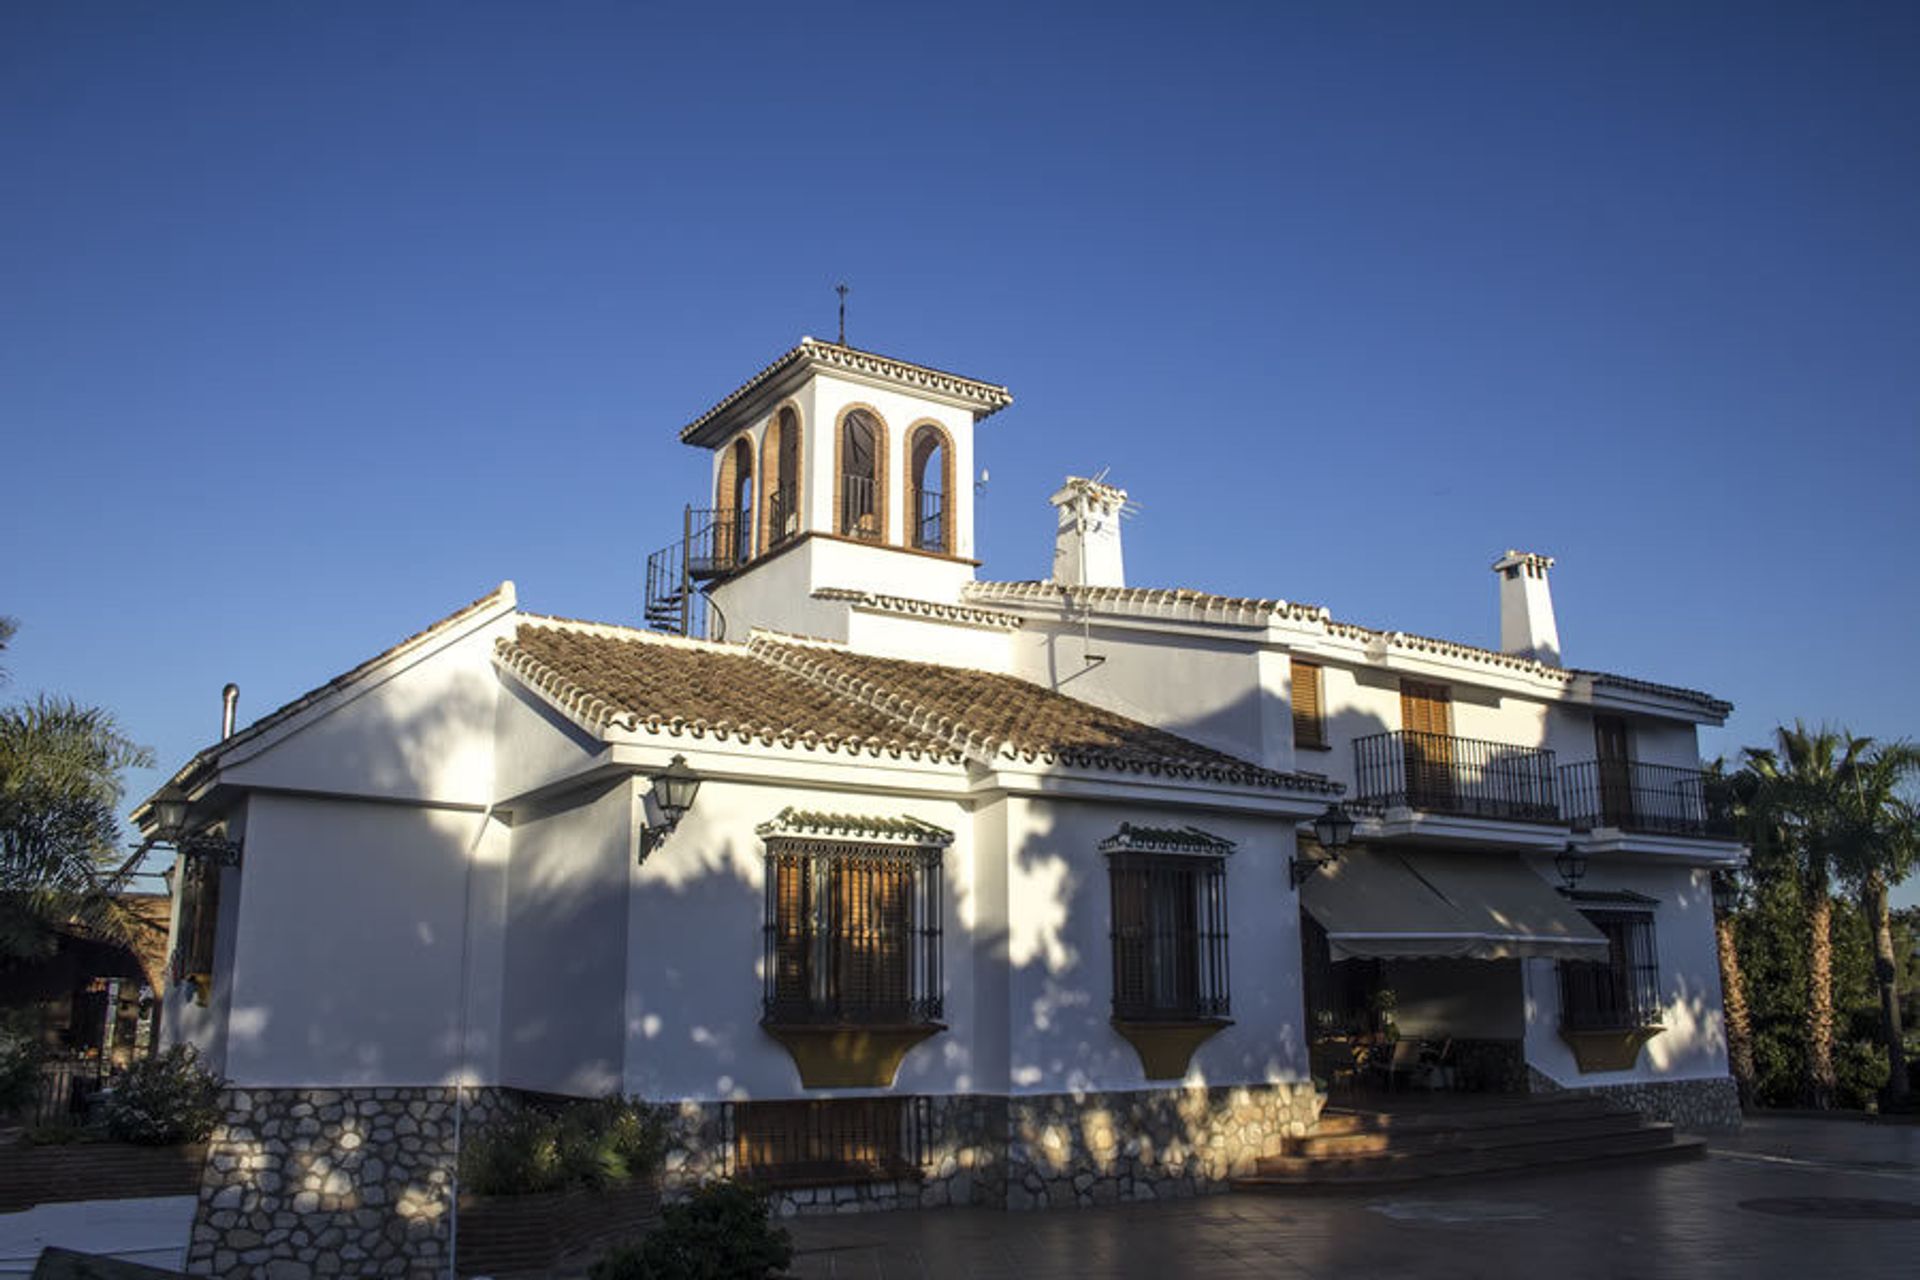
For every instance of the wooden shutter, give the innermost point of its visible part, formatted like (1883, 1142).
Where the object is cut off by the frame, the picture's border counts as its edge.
(792, 911)
(1309, 723)
(873, 920)
(1132, 975)
(206, 920)
(1425, 708)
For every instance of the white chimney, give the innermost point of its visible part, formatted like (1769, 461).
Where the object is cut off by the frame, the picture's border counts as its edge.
(1527, 628)
(1086, 546)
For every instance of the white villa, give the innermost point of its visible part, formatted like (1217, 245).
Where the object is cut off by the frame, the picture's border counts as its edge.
(988, 892)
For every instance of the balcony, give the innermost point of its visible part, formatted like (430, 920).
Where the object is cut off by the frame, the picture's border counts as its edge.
(1647, 799)
(1438, 773)
(930, 523)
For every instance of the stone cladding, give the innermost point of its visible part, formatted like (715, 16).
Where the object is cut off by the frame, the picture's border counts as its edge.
(1709, 1105)
(306, 1183)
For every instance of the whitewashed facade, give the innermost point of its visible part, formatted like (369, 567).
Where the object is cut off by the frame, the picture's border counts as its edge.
(452, 872)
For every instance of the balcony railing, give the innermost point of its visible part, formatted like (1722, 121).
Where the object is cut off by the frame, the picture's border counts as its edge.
(930, 523)
(714, 542)
(1650, 798)
(1439, 773)
(859, 513)
(783, 517)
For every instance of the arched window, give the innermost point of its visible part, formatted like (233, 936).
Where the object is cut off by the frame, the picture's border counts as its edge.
(733, 503)
(862, 450)
(930, 486)
(780, 480)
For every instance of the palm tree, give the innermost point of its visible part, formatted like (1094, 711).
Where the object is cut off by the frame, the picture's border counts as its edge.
(60, 790)
(1876, 840)
(1794, 788)
(1731, 794)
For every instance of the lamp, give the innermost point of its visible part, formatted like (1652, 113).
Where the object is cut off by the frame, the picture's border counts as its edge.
(1332, 830)
(170, 807)
(674, 788)
(1571, 864)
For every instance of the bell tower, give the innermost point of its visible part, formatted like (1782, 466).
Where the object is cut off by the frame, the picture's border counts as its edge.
(836, 470)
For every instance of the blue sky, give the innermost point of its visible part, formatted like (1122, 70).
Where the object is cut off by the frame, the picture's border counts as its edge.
(320, 321)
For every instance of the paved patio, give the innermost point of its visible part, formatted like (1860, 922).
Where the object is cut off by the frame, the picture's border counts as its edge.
(1693, 1219)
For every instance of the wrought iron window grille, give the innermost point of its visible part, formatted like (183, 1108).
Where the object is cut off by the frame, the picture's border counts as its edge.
(853, 933)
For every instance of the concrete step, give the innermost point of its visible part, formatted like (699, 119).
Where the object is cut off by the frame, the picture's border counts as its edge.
(1317, 1177)
(1458, 1113)
(1516, 1130)
(1516, 1144)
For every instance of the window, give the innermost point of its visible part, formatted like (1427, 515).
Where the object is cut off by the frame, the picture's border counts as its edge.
(862, 450)
(811, 1140)
(930, 481)
(199, 924)
(1622, 992)
(853, 932)
(733, 518)
(1309, 721)
(1169, 925)
(780, 472)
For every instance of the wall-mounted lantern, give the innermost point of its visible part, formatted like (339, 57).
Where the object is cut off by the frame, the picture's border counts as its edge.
(1333, 829)
(674, 789)
(170, 808)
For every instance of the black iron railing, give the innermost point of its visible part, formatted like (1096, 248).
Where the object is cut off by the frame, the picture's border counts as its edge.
(808, 1141)
(783, 517)
(930, 522)
(1652, 798)
(714, 541)
(852, 934)
(1621, 992)
(860, 515)
(1439, 773)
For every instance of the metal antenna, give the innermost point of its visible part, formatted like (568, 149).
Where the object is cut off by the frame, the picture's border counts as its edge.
(842, 290)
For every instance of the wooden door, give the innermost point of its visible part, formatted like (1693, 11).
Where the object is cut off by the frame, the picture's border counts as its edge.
(1426, 719)
(1615, 771)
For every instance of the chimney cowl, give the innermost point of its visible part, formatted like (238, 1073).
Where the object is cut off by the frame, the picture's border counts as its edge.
(1527, 626)
(229, 705)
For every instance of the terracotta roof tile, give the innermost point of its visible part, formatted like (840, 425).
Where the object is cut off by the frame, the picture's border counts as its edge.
(815, 694)
(1000, 715)
(811, 824)
(609, 676)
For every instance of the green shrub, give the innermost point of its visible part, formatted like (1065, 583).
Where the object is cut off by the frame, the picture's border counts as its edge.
(586, 1144)
(20, 1057)
(162, 1100)
(723, 1232)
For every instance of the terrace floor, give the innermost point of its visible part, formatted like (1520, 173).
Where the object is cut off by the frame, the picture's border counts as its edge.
(1785, 1197)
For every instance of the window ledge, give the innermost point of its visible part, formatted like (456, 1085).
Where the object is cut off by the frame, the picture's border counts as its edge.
(849, 1055)
(1313, 746)
(1166, 1045)
(1617, 1049)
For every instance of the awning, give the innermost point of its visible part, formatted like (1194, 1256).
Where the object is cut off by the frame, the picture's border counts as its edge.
(1384, 904)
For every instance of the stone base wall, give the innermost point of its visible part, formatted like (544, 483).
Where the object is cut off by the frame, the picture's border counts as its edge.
(306, 1183)
(1068, 1150)
(1709, 1105)
(1045, 1151)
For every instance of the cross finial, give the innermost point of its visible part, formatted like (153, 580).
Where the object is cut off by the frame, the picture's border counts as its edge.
(842, 290)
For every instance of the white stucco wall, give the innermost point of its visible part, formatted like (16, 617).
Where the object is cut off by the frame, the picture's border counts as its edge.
(697, 917)
(1694, 1043)
(350, 943)
(1060, 952)
(1208, 690)
(421, 728)
(566, 952)
(930, 640)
